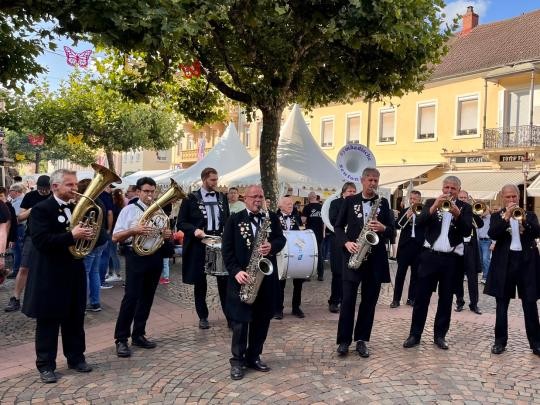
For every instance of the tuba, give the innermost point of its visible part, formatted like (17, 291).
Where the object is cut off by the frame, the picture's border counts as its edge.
(88, 213)
(145, 245)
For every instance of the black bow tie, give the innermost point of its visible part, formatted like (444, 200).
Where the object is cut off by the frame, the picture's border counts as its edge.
(212, 194)
(286, 216)
(253, 215)
(370, 200)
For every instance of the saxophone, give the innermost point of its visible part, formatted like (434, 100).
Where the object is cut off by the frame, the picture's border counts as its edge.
(258, 266)
(366, 239)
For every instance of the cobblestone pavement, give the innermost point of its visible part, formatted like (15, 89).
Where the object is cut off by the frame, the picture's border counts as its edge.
(191, 365)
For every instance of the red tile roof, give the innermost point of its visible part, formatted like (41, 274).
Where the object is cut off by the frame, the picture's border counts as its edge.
(491, 46)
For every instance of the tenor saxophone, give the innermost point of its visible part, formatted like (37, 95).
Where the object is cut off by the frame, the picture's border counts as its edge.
(258, 266)
(366, 239)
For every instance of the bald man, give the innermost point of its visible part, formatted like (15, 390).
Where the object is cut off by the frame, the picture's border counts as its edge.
(289, 223)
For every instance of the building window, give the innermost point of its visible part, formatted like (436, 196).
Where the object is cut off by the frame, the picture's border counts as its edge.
(353, 128)
(259, 133)
(387, 126)
(425, 124)
(246, 135)
(162, 154)
(467, 116)
(190, 143)
(327, 132)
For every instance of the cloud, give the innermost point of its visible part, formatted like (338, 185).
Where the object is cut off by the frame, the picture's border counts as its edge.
(459, 7)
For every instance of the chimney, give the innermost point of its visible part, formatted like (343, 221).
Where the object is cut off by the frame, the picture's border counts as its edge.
(470, 20)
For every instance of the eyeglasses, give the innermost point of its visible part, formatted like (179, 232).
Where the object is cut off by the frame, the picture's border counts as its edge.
(260, 197)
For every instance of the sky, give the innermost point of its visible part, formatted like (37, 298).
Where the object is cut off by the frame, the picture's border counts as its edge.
(488, 10)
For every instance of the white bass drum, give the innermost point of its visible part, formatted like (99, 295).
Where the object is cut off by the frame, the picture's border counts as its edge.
(298, 259)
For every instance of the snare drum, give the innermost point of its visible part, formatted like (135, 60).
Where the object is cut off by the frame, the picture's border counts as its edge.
(298, 259)
(213, 263)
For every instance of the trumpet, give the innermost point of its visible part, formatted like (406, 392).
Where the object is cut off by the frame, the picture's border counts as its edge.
(518, 213)
(479, 207)
(416, 209)
(446, 205)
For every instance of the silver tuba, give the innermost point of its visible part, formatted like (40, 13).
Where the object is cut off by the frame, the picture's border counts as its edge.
(258, 266)
(366, 239)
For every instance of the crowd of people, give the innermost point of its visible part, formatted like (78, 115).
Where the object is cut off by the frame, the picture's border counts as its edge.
(442, 241)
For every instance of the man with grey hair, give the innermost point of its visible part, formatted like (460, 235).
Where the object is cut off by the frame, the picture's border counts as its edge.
(56, 290)
(446, 222)
(514, 264)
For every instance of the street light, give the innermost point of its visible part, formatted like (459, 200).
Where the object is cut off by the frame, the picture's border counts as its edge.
(526, 165)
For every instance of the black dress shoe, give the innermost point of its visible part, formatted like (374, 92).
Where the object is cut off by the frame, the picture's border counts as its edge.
(410, 302)
(48, 376)
(334, 308)
(278, 315)
(237, 373)
(82, 367)
(259, 366)
(411, 341)
(497, 348)
(320, 278)
(362, 349)
(459, 307)
(536, 350)
(441, 343)
(476, 310)
(298, 313)
(343, 349)
(394, 304)
(141, 341)
(122, 349)
(203, 324)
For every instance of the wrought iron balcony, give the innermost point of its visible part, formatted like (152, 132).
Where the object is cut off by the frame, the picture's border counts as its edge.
(508, 137)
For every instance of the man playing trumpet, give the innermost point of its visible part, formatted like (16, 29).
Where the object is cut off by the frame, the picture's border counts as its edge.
(514, 264)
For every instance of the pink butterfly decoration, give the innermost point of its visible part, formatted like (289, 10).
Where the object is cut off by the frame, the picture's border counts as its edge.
(77, 59)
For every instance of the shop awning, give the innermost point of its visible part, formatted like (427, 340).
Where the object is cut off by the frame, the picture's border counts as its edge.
(393, 176)
(534, 189)
(480, 184)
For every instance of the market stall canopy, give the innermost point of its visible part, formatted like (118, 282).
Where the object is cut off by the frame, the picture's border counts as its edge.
(226, 156)
(394, 176)
(480, 184)
(132, 178)
(300, 160)
(534, 189)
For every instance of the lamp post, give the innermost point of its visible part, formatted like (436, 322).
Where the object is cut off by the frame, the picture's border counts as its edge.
(526, 164)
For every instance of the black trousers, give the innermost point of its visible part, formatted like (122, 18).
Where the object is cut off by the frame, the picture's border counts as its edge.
(408, 255)
(320, 259)
(248, 340)
(530, 309)
(434, 269)
(296, 296)
(199, 292)
(336, 266)
(142, 277)
(366, 310)
(468, 266)
(73, 340)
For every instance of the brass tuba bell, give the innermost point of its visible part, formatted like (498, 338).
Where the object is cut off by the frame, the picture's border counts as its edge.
(145, 245)
(88, 213)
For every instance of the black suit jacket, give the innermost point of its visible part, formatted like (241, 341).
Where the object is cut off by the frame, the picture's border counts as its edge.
(295, 225)
(237, 245)
(498, 270)
(333, 210)
(460, 227)
(405, 237)
(352, 217)
(193, 216)
(56, 286)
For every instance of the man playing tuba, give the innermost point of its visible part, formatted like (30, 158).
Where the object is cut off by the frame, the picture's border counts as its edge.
(142, 272)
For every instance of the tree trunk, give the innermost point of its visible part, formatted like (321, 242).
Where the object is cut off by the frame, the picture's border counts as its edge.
(110, 160)
(37, 161)
(268, 152)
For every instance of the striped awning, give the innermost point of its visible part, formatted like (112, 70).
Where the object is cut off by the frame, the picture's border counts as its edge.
(480, 184)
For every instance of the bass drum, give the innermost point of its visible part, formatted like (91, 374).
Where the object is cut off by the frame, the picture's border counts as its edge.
(298, 259)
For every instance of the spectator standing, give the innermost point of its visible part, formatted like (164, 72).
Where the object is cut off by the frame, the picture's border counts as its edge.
(16, 195)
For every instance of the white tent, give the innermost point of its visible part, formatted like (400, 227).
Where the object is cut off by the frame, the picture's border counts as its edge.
(300, 160)
(227, 155)
(132, 178)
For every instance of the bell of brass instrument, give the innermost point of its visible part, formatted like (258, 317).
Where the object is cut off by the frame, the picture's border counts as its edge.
(446, 205)
(518, 213)
(479, 208)
(88, 213)
(258, 266)
(145, 245)
(416, 209)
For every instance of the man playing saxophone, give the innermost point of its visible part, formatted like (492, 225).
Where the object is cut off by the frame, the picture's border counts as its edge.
(362, 213)
(250, 322)
(142, 272)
